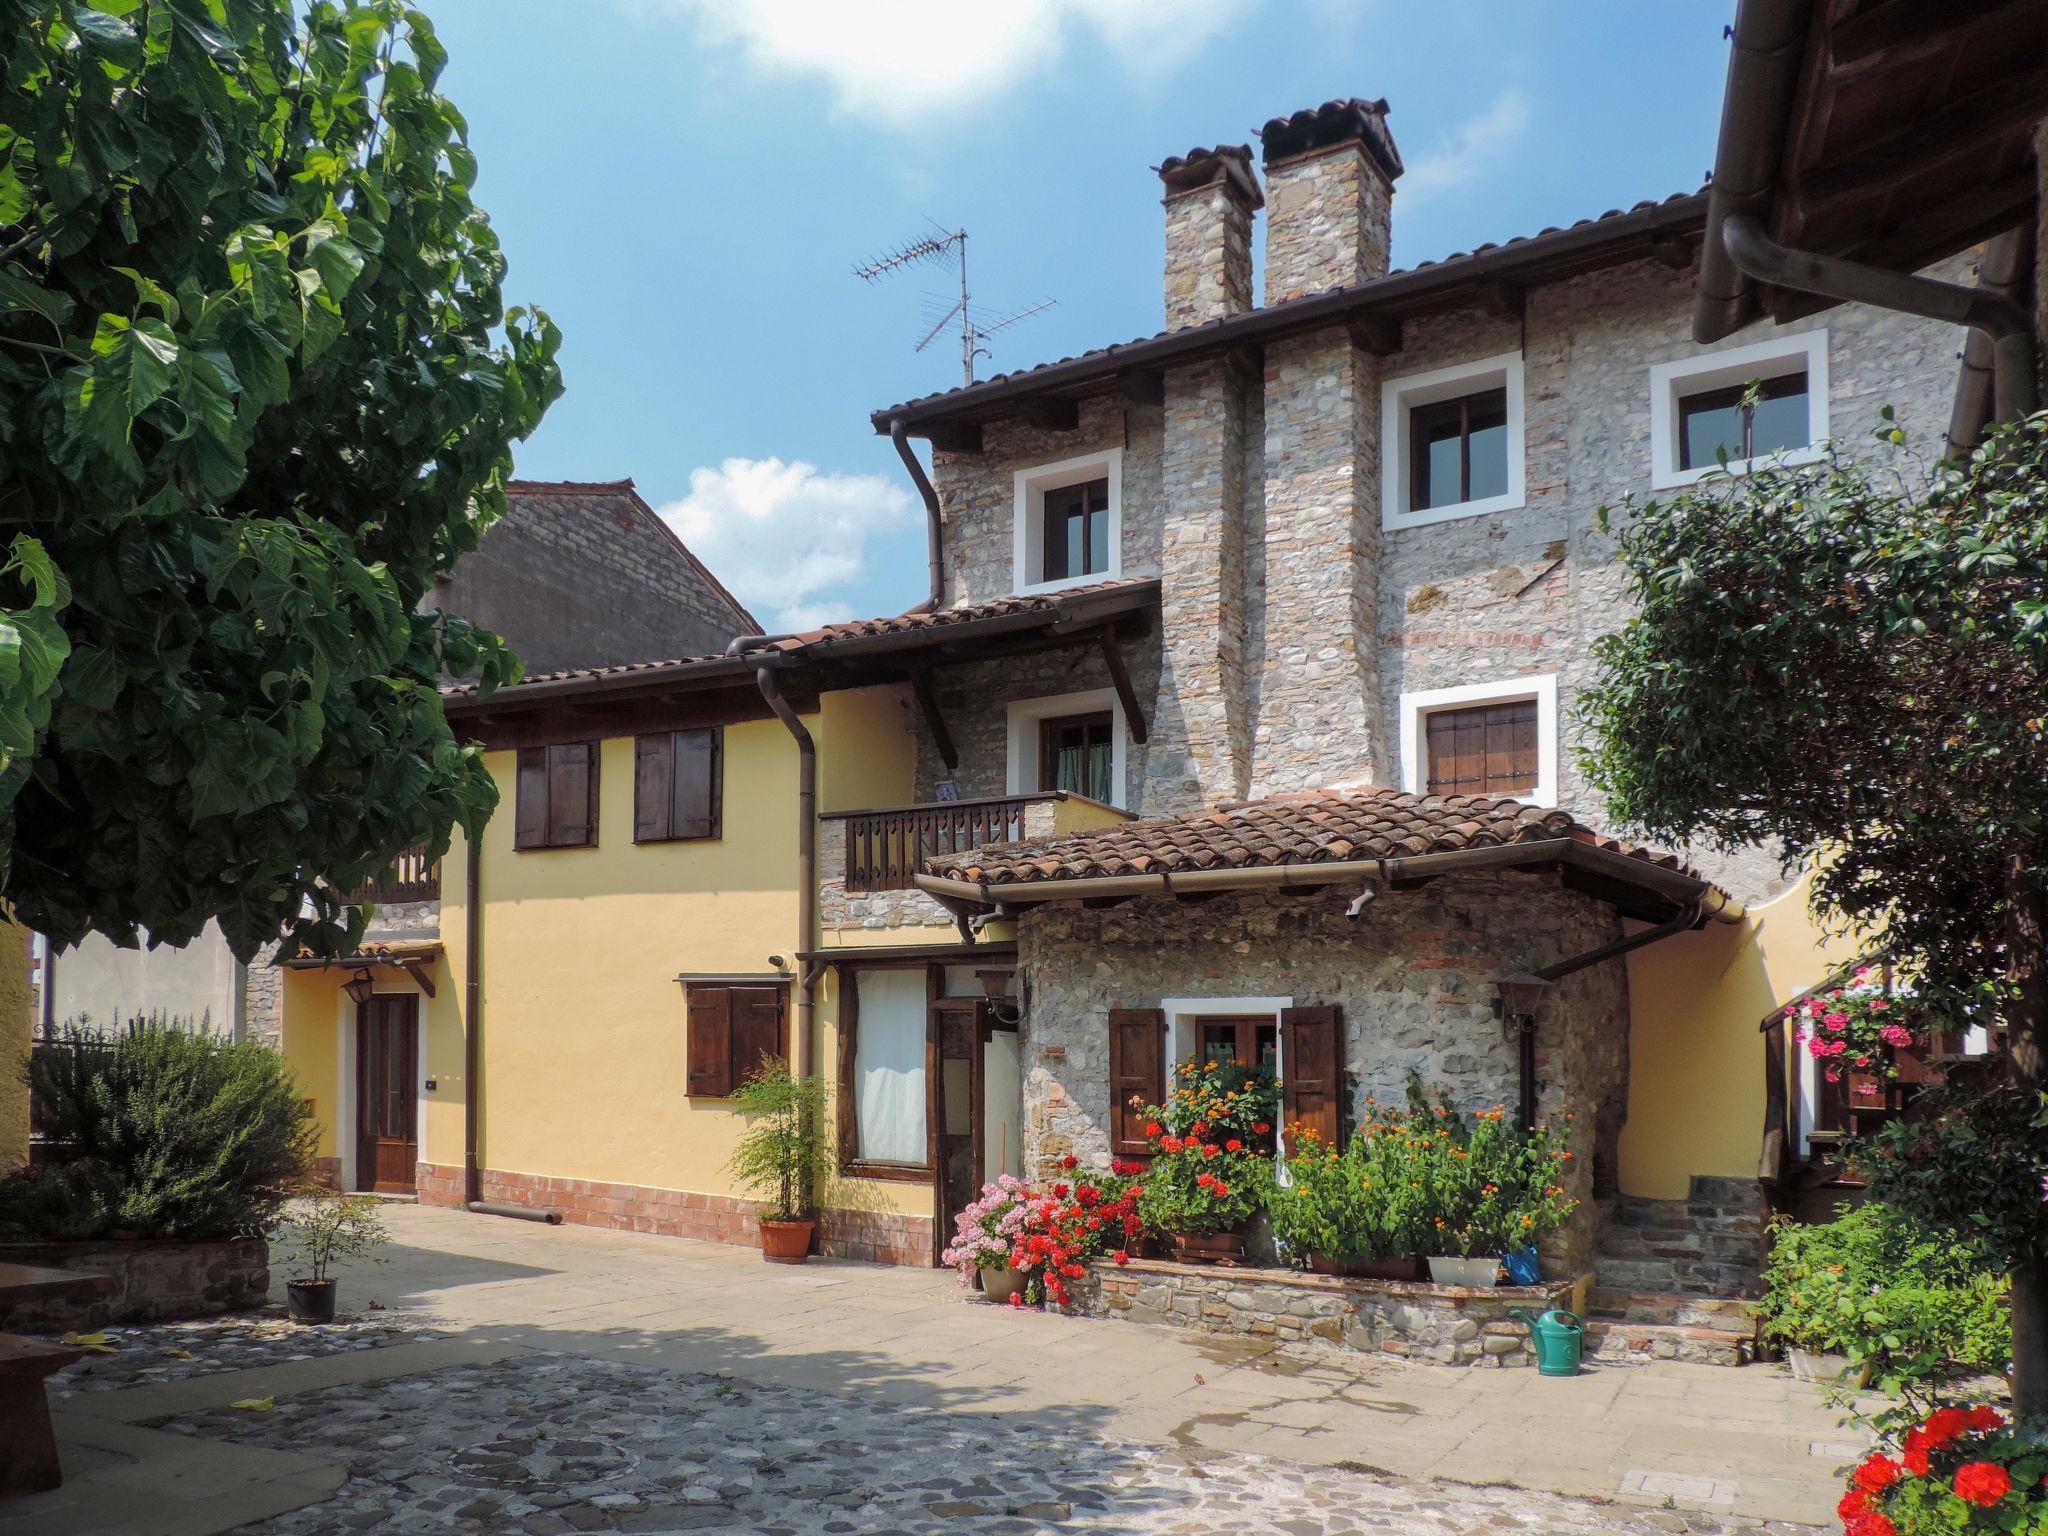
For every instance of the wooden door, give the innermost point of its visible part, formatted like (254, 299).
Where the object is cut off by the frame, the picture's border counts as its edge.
(387, 1098)
(958, 1096)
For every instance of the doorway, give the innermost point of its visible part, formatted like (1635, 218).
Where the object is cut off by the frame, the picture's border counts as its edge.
(387, 1102)
(980, 1094)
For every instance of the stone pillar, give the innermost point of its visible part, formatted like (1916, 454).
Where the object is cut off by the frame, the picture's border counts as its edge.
(1330, 175)
(17, 1028)
(1211, 196)
(1315, 688)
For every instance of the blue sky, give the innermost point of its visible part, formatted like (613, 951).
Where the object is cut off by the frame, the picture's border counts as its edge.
(686, 184)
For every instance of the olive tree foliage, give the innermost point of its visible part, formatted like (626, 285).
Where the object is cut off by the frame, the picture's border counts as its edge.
(1850, 658)
(250, 404)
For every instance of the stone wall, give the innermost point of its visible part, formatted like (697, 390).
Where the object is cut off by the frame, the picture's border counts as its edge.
(1329, 220)
(1444, 1325)
(1414, 978)
(1208, 253)
(153, 1281)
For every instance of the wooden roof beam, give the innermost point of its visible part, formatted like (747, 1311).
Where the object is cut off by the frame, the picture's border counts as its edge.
(1958, 131)
(1049, 415)
(1375, 335)
(955, 436)
(928, 706)
(1120, 679)
(1884, 36)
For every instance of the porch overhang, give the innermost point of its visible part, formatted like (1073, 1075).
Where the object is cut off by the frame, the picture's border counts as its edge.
(1636, 887)
(410, 958)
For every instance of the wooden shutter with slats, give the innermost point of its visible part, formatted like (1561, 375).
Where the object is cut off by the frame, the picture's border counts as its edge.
(1312, 1070)
(708, 1046)
(1487, 749)
(695, 804)
(757, 1029)
(572, 794)
(530, 792)
(1137, 1076)
(653, 774)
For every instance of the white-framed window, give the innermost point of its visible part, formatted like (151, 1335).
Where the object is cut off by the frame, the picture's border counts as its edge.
(1451, 442)
(1495, 739)
(1699, 406)
(1071, 741)
(1243, 1030)
(1069, 523)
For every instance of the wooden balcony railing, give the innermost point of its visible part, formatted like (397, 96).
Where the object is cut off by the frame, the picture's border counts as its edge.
(414, 877)
(885, 849)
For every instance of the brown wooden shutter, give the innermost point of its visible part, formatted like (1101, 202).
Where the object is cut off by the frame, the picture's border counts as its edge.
(1511, 761)
(530, 793)
(572, 794)
(1312, 1069)
(696, 791)
(756, 1029)
(1137, 1072)
(708, 1045)
(653, 769)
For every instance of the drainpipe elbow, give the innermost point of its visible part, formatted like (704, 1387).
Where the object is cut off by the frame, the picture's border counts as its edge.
(935, 556)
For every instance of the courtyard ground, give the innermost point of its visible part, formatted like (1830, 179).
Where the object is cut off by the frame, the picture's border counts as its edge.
(521, 1378)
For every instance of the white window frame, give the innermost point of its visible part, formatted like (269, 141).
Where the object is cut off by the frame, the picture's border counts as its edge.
(1770, 359)
(1417, 705)
(1024, 716)
(1028, 549)
(1398, 399)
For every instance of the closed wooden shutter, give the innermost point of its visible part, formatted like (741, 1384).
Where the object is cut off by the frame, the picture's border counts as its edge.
(695, 805)
(1312, 1070)
(653, 772)
(1137, 1076)
(1489, 749)
(757, 1029)
(530, 792)
(708, 1046)
(572, 794)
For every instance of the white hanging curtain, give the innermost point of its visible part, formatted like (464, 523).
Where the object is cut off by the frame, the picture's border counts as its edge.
(888, 1062)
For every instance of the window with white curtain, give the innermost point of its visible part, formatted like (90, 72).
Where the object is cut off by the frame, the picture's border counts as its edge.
(888, 1066)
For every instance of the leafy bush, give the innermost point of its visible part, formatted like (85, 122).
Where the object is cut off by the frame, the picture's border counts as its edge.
(1326, 1209)
(782, 1154)
(328, 1227)
(1913, 1302)
(172, 1134)
(1972, 1154)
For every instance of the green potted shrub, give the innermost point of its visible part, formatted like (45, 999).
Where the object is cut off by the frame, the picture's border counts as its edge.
(1210, 1173)
(782, 1156)
(327, 1228)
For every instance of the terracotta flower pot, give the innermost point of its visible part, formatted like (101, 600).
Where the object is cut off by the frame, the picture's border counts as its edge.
(786, 1242)
(999, 1285)
(1208, 1247)
(1411, 1269)
(309, 1301)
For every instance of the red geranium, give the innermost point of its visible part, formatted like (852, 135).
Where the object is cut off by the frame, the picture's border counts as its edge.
(1877, 1473)
(1982, 1483)
(1233, 1145)
(1869, 1523)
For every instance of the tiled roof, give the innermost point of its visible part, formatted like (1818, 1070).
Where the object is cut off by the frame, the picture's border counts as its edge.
(1199, 167)
(1319, 827)
(1677, 204)
(905, 624)
(1333, 123)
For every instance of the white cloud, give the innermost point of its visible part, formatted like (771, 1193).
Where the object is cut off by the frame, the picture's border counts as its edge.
(788, 538)
(902, 62)
(1476, 147)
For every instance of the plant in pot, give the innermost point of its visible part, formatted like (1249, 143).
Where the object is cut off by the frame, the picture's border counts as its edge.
(324, 1228)
(782, 1156)
(1076, 1218)
(986, 1236)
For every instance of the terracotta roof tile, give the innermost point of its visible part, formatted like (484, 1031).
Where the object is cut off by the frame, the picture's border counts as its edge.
(1319, 827)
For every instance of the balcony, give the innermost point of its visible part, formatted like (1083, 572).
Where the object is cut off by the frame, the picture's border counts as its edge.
(412, 877)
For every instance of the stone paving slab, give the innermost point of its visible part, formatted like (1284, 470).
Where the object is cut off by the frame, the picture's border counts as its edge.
(545, 1445)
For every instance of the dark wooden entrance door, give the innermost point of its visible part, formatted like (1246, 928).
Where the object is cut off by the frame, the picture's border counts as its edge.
(387, 1102)
(963, 1030)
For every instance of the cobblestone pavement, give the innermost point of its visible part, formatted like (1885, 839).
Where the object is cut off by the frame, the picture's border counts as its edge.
(550, 1444)
(145, 1354)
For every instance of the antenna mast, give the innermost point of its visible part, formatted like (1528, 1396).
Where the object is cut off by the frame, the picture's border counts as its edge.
(934, 249)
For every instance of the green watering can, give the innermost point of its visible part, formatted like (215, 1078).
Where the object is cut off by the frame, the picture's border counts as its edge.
(1559, 1337)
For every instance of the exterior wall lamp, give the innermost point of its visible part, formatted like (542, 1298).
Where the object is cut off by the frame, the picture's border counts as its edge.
(359, 987)
(996, 985)
(1520, 996)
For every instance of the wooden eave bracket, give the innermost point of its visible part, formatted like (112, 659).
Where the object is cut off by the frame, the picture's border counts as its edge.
(1050, 415)
(1375, 335)
(1142, 386)
(1501, 298)
(928, 706)
(1120, 679)
(416, 968)
(955, 436)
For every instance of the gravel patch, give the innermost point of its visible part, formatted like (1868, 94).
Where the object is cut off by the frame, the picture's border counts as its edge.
(147, 1353)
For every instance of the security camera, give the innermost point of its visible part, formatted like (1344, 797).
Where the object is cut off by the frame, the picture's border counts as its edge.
(778, 962)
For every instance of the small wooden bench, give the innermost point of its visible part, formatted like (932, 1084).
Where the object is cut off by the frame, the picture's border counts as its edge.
(28, 1442)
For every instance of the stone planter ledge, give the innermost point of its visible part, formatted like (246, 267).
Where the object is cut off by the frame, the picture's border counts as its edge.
(1441, 1324)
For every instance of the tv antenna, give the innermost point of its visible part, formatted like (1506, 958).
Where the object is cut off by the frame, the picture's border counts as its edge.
(976, 325)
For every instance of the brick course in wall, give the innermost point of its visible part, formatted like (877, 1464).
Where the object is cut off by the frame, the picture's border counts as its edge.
(876, 1237)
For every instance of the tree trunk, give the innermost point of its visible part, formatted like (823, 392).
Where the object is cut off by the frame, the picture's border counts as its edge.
(2026, 1022)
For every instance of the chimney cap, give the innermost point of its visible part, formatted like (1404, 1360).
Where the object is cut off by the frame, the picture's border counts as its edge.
(1334, 122)
(1230, 163)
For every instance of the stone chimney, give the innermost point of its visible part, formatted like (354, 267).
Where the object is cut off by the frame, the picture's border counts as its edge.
(1211, 196)
(1330, 173)
(1313, 678)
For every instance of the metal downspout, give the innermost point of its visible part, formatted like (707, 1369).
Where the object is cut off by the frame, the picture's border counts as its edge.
(2009, 327)
(473, 1013)
(806, 865)
(2002, 271)
(900, 436)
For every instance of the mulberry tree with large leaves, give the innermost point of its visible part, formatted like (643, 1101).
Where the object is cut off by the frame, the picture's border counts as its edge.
(1852, 659)
(257, 387)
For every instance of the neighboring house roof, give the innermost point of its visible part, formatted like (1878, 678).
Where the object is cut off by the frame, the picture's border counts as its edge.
(1663, 229)
(970, 625)
(1320, 827)
(1890, 134)
(584, 573)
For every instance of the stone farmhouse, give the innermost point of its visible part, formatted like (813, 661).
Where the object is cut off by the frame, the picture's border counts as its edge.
(1237, 724)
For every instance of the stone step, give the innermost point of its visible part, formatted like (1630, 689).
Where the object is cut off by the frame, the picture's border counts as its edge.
(1689, 1277)
(1681, 1237)
(1669, 1308)
(1684, 1218)
(1624, 1343)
